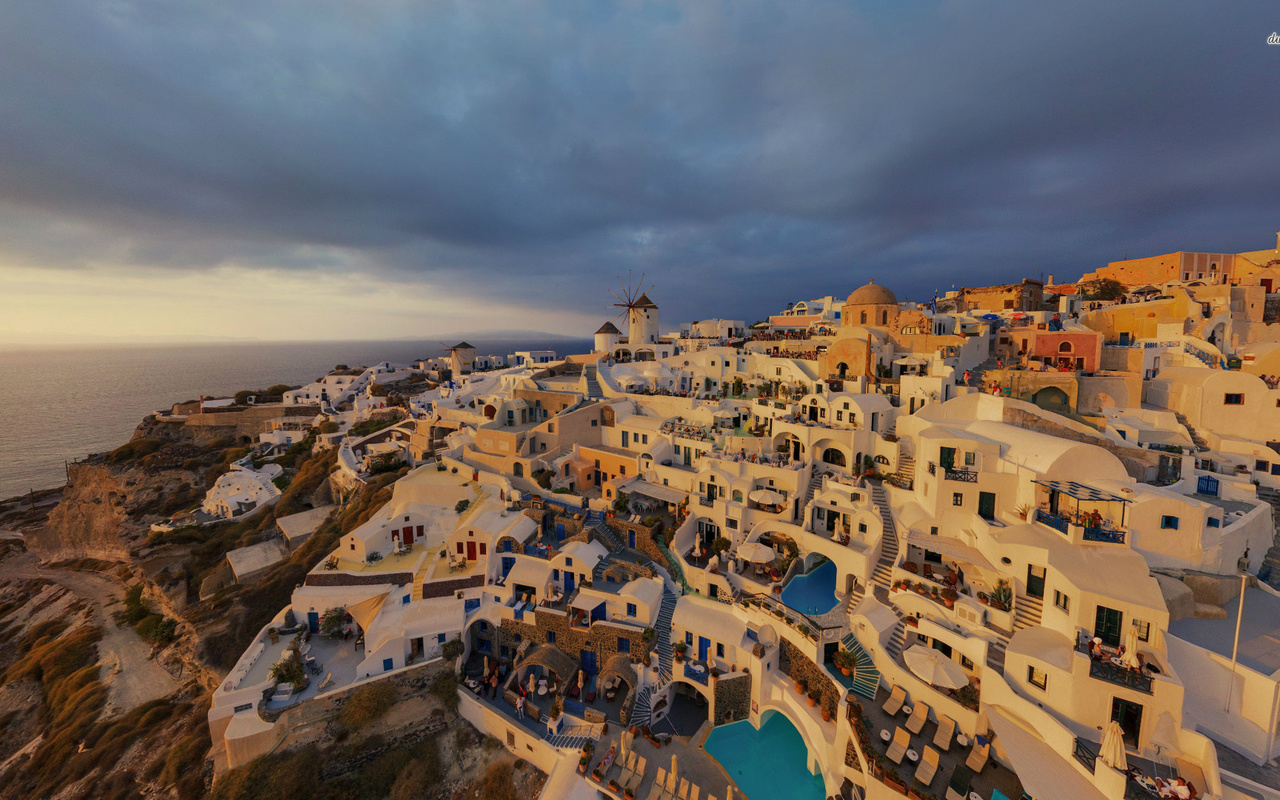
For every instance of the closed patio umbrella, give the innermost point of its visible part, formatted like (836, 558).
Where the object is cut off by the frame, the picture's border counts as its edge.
(1112, 750)
(755, 552)
(1130, 657)
(933, 667)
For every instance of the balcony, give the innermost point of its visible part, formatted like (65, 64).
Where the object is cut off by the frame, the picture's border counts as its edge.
(705, 501)
(1121, 676)
(1105, 534)
(961, 475)
(1085, 754)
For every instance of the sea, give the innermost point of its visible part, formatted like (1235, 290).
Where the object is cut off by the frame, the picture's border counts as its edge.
(59, 404)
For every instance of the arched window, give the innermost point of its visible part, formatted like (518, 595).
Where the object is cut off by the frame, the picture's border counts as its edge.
(864, 318)
(833, 456)
(737, 495)
(884, 317)
(1065, 347)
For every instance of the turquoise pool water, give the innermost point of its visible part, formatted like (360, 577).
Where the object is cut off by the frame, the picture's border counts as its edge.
(814, 593)
(767, 764)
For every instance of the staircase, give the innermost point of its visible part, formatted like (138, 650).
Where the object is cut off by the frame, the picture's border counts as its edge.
(995, 654)
(642, 711)
(883, 574)
(1271, 561)
(906, 474)
(898, 640)
(572, 738)
(866, 678)
(1028, 613)
(815, 483)
(1196, 438)
(589, 375)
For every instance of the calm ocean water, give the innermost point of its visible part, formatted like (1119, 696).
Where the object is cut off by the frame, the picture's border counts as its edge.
(60, 403)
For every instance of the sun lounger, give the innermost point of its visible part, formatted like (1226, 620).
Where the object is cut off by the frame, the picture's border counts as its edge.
(928, 766)
(637, 775)
(895, 702)
(919, 716)
(978, 756)
(326, 683)
(669, 789)
(694, 791)
(960, 784)
(946, 730)
(683, 793)
(659, 785)
(898, 748)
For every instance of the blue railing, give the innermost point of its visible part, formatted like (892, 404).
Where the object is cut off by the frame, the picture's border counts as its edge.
(1052, 520)
(695, 673)
(1108, 535)
(538, 551)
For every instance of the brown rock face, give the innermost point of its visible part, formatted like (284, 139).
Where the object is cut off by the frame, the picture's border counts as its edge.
(89, 522)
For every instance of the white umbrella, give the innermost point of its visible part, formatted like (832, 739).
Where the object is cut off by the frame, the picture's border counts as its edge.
(765, 497)
(934, 668)
(673, 769)
(626, 740)
(1130, 657)
(532, 684)
(755, 552)
(1112, 750)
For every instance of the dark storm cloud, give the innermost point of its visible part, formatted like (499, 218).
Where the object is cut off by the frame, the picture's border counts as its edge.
(741, 154)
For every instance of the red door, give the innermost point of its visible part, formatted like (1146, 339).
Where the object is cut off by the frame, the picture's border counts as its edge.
(471, 551)
(407, 533)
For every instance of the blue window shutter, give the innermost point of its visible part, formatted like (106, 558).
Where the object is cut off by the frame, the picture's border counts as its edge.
(387, 664)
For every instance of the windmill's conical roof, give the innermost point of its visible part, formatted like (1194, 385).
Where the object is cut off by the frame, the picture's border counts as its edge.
(645, 302)
(608, 327)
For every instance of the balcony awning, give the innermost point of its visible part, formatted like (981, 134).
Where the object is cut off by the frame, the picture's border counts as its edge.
(952, 548)
(664, 493)
(1044, 774)
(1081, 492)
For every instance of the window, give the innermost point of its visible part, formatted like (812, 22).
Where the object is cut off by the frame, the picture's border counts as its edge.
(631, 609)
(595, 423)
(957, 499)
(966, 662)
(1261, 466)
(551, 427)
(864, 318)
(719, 649)
(862, 527)
(624, 644)
(1061, 600)
(820, 514)
(568, 562)
(970, 459)
(1144, 630)
(551, 637)
(732, 523)
(622, 469)
(388, 664)
(839, 416)
(555, 574)
(688, 638)
(1233, 399)
(440, 638)
(778, 371)
(1214, 522)
(1037, 677)
(1169, 523)
(933, 530)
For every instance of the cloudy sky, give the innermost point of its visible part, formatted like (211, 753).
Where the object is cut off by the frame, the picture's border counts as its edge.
(338, 169)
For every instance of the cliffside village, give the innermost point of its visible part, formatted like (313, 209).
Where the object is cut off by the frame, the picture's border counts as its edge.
(1016, 541)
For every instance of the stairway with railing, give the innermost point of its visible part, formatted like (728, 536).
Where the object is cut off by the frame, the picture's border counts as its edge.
(642, 712)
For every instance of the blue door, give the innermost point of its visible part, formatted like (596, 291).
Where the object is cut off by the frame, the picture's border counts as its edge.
(624, 438)
(313, 622)
(704, 645)
(588, 661)
(568, 582)
(1207, 485)
(559, 531)
(507, 563)
(632, 539)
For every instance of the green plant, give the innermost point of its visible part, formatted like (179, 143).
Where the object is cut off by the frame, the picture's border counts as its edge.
(445, 689)
(289, 670)
(461, 506)
(453, 648)
(366, 704)
(1002, 596)
(967, 696)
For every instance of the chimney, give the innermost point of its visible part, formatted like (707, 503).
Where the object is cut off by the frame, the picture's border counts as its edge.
(1051, 283)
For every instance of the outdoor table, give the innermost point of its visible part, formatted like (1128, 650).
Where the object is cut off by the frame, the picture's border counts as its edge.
(912, 755)
(974, 796)
(907, 710)
(962, 740)
(885, 736)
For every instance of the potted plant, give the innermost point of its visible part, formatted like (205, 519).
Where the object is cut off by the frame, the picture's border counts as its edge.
(949, 597)
(814, 695)
(801, 685)
(274, 635)
(826, 714)
(588, 747)
(911, 622)
(613, 785)
(582, 764)
(983, 599)
(1023, 511)
(681, 647)
(1002, 597)
(715, 674)
(596, 775)
(922, 588)
(629, 793)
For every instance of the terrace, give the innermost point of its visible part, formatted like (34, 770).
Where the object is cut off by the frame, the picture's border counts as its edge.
(1074, 509)
(875, 729)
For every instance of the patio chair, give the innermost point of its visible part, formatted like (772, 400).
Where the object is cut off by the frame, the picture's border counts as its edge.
(946, 730)
(695, 791)
(326, 683)
(895, 702)
(978, 756)
(683, 792)
(659, 785)
(669, 789)
(898, 748)
(919, 716)
(960, 784)
(928, 766)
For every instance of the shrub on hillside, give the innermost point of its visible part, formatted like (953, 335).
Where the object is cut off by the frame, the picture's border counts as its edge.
(445, 689)
(367, 704)
(497, 783)
(134, 450)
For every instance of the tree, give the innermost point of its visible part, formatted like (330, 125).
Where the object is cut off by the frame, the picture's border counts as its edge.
(461, 505)
(279, 388)
(332, 621)
(1102, 289)
(242, 397)
(622, 504)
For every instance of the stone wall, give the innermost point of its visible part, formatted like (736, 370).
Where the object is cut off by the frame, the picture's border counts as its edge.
(347, 579)
(1136, 460)
(445, 588)
(646, 541)
(798, 666)
(601, 638)
(733, 699)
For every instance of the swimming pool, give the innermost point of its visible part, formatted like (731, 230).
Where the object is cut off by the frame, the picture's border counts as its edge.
(814, 593)
(767, 764)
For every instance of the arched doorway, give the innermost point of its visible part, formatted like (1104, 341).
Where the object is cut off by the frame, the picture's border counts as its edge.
(842, 369)
(833, 456)
(518, 470)
(1052, 398)
(490, 412)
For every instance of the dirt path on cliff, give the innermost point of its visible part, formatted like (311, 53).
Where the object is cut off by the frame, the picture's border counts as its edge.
(127, 669)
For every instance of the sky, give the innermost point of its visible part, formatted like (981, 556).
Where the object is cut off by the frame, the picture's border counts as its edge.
(329, 169)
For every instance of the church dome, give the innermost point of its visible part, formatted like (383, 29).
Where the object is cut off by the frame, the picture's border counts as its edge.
(872, 295)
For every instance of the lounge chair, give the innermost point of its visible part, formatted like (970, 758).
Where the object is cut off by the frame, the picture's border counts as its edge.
(626, 766)
(637, 775)
(946, 730)
(978, 756)
(895, 702)
(669, 790)
(960, 784)
(683, 792)
(928, 766)
(898, 747)
(919, 716)
(659, 788)
(326, 683)
(695, 791)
